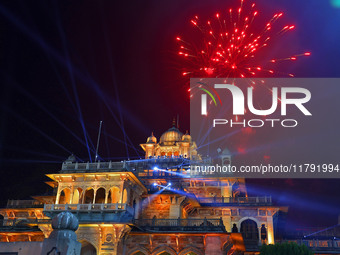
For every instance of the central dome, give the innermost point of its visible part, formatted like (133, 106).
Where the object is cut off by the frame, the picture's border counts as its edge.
(171, 136)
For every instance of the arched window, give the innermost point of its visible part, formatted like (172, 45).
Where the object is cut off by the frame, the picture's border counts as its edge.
(139, 251)
(226, 161)
(235, 189)
(249, 230)
(65, 196)
(88, 196)
(165, 250)
(87, 248)
(100, 196)
(76, 196)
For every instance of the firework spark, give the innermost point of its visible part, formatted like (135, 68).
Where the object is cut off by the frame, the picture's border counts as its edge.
(230, 45)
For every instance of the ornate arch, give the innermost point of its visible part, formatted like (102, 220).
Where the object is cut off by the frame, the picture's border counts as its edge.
(90, 242)
(86, 193)
(113, 194)
(99, 198)
(67, 194)
(164, 248)
(139, 248)
(191, 249)
(97, 187)
(247, 218)
(77, 195)
(253, 234)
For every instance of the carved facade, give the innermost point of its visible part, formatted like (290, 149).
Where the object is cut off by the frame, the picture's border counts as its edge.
(151, 206)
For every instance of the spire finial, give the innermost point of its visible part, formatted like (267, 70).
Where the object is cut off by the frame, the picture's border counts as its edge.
(174, 122)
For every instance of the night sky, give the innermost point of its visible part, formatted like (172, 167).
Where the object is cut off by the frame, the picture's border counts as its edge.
(65, 66)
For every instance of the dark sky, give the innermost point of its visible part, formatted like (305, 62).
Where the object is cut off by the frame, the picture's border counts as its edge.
(67, 65)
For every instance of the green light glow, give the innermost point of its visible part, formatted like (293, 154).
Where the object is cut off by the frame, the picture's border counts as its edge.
(335, 3)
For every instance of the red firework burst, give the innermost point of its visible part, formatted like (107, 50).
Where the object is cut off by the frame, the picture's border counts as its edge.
(230, 45)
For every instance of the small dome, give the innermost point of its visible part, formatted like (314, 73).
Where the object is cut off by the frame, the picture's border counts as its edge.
(186, 137)
(171, 136)
(71, 159)
(151, 139)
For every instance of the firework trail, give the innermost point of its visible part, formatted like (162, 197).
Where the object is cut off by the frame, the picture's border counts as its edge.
(230, 45)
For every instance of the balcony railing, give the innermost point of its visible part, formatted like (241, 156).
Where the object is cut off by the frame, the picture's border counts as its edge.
(319, 246)
(195, 225)
(23, 222)
(145, 167)
(314, 232)
(93, 167)
(130, 165)
(88, 207)
(24, 204)
(235, 200)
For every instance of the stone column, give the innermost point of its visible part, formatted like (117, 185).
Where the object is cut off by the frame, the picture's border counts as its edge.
(112, 240)
(175, 207)
(137, 208)
(58, 197)
(71, 195)
(107, 195)
(83, 196)
(63, 238)
(94, 196)
(270, 230)
(121, 191)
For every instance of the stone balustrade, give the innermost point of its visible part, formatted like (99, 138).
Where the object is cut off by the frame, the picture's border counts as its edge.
(196, 225)
(88, 207)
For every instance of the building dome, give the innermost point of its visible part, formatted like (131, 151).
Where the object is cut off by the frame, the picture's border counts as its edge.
(186, 137)
(70, 159)
(171, 136)
(151, 139)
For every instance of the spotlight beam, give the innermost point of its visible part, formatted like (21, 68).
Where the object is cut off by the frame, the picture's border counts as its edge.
(20, 118)
(66, 63)
(29, 96)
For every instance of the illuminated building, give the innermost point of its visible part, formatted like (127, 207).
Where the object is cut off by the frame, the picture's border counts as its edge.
(152, 206)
